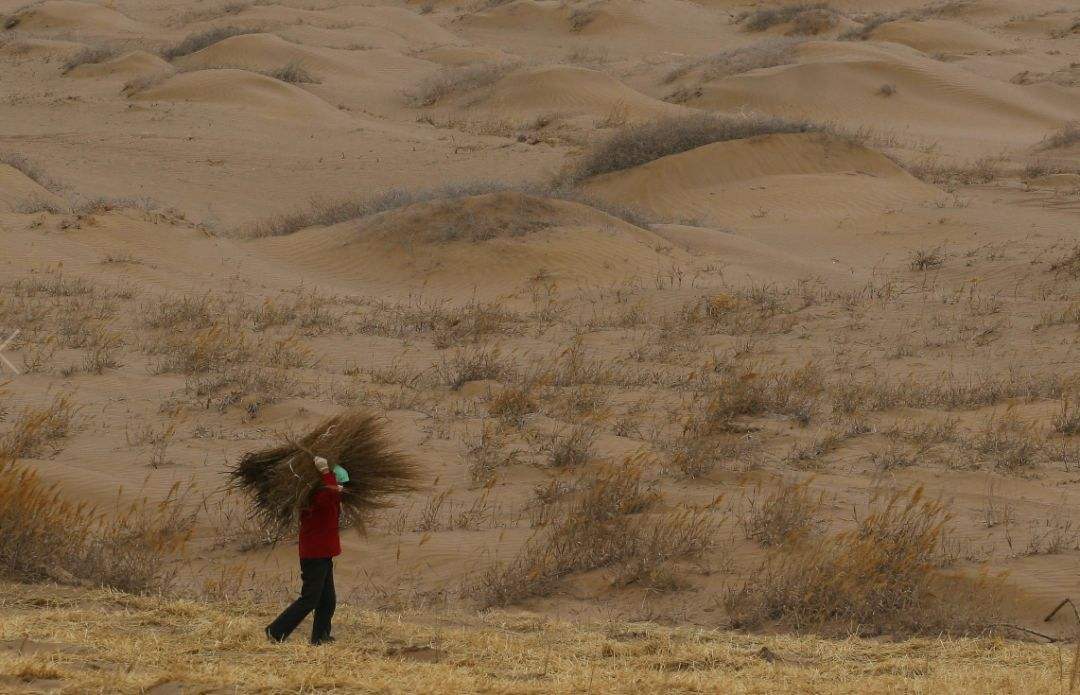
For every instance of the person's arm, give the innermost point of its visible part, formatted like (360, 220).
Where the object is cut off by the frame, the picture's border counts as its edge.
(329, 491)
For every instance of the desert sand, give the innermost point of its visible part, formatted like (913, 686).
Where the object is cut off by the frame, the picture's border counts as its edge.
(222, 222)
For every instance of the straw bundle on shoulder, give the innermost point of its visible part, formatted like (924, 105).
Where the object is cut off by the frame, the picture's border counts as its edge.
(282, 479)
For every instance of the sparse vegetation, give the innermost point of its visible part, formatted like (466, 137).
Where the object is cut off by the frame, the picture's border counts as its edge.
(878, 577)
(640, 144)
(294, 72)
(203, 39)
(764, 54)
(29, 170)
(789, 514)
(451, 81)
(1066, 137)
(603, 526)
(98, 53)
(806, 15)
(45, 537)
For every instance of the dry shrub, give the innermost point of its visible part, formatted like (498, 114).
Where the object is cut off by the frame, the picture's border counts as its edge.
(1069, 264)
(512, 404)
(789, 514)
(639, 144)
(1067, 422)
(812, 22)
(203, 39)
(90, 54)
(981, 171)
(1012, 446)
(294, 72)
(880, 577)
(761, 20)
(29, 170)
(281, 480)
(745, 391)
(35, 427)
(45, 537)
(572, 449)
(603, 526)
(927, 259)
(948, 391)
(207, 350)
(325, 213)
(474, 364)
(1067, 136)
(764, 54)
(457, 79)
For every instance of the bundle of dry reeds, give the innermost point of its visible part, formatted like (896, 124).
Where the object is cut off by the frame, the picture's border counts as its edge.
(282, 479)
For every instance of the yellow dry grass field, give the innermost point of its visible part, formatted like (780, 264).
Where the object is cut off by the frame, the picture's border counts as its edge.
(734, 344)
(100, 641)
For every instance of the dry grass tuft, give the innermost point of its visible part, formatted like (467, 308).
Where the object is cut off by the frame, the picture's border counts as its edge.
(879, 577)
(29, 170)
(450, 81)
(786, 515)
(203, 39)
(764, 54)
(45, 537)
(294, 72)
(89, 55)
(1068, 265)
(37, 426)
(603, 526)
(1068, 135)
(640, 144)
(806, 15)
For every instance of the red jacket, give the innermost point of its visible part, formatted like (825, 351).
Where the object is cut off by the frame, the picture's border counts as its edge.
(319, 522)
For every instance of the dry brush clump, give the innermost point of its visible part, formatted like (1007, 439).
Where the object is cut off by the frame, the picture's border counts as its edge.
(639, 144)
(29, 169)
(1068, 135)
(764, 54)
(43, 537)
(193, 43)
(36, 427)
(282, 479)
(1068, 265)
(455, 80)
(788, 515)
(604, 525)
(97, 53)
(880, 577)
(294, 72)
(806, 18)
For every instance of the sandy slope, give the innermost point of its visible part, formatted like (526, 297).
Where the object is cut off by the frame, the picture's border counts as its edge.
(951, 294)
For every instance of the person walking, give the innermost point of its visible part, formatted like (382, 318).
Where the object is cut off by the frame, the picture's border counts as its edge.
(319, 545)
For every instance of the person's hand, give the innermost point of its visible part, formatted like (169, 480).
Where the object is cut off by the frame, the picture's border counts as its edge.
(322, 464)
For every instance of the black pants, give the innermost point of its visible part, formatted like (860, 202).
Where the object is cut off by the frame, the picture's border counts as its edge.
(317, 594)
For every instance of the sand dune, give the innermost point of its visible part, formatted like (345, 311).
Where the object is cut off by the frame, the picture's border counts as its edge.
(939, 36)
(262, 96)
(68, 15)
(745, 259)
(128, 65)
(261, 52)
(490, 244)
(464, 55)
(805, 175)
(18, 191)
(932, 101)
(784, 308)
(570, 91)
